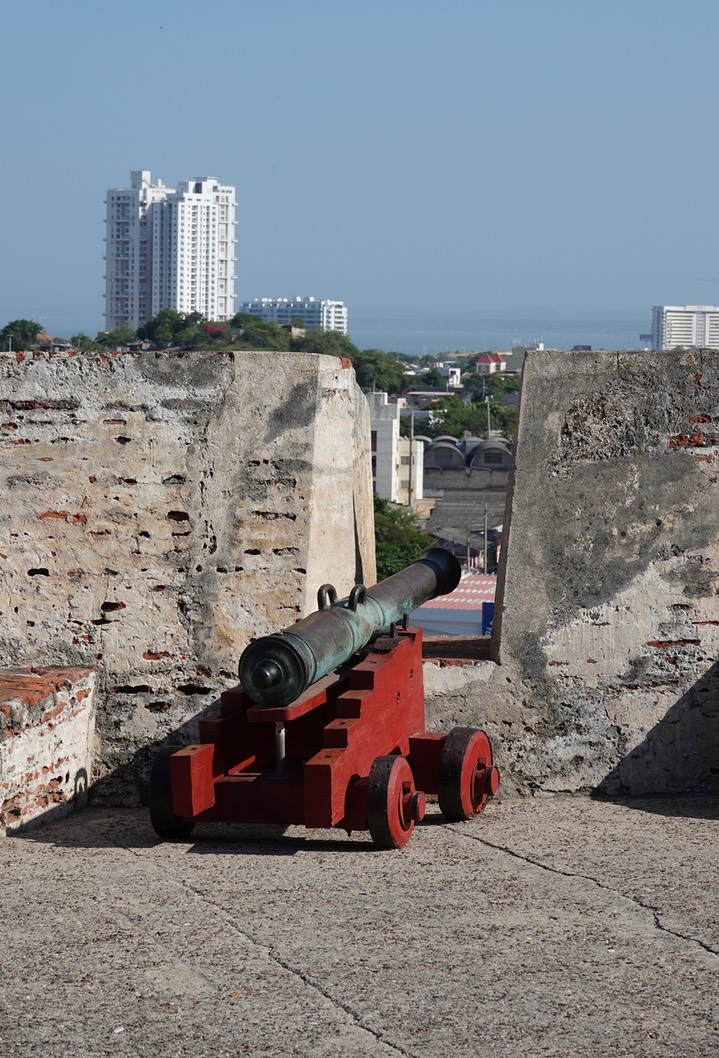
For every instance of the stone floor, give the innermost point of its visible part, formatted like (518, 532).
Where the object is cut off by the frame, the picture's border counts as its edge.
(557, 926)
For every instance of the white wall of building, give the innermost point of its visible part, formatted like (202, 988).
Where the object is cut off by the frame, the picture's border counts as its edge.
(397, 463)
(685, 325)
(411, 471)
(318, 314)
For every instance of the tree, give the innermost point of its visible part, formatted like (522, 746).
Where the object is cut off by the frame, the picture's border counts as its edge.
(449, 415)
(378, 370)
(481, 386)
(84, 343)
(332, 343)
(21, 333)
(215, 331)
(433, 378)
(191, 338)
(170, 327)
(254, 333)
(114, 339)
(162, 328)
(398, 541)
(195, 319)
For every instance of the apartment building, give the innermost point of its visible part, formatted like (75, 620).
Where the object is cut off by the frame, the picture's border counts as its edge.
(685, 325)
(169, 248)
(316, 314)
(397, 462)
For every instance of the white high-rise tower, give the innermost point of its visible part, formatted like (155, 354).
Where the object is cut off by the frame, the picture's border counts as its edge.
(169, 248)
(684, 326)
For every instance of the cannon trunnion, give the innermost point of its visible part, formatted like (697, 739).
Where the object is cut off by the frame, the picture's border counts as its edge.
(350, 749)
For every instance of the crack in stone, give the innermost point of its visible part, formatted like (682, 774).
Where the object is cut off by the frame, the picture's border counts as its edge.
(273, 954)
(600, 885)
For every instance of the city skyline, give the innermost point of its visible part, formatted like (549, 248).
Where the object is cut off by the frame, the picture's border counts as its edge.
(474, 160)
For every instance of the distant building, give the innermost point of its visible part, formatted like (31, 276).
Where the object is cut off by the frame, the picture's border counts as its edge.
(397, 462)
(467, 611)
(685, 325)
(488, 363)
(468, 480)
(316, 314)
(169, 249)
(452, 373)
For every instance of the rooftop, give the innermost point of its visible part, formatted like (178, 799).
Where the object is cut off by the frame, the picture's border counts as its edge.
(554, 925)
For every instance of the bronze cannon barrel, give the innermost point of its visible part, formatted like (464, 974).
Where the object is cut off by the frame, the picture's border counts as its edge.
(276, 669)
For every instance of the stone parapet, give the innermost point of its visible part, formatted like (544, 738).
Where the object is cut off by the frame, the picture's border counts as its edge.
(607, 622)
(162, 510)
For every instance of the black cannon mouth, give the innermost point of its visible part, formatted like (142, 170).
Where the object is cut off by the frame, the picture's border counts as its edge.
(275, 670)
(445, 567)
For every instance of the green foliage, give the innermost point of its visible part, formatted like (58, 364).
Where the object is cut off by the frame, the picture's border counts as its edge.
(432, 379)
(378, 370)
(84, 343)
(491, 385)
(114, 339)
(191, 338)
(332, 343)
(398, 541)
(162, 329)
(249, 332)
(451, 416)
(504, 419)
(22, 333)
(184, 329)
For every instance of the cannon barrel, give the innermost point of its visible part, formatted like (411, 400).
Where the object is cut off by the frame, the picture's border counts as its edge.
(276, 669)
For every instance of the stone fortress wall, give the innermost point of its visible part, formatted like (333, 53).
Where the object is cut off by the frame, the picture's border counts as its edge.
(162, 509)
(608, 628)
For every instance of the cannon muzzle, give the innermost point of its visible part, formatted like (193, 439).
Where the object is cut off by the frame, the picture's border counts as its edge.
(276, 669)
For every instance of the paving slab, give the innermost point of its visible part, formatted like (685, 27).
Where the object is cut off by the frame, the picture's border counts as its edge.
(559, 926)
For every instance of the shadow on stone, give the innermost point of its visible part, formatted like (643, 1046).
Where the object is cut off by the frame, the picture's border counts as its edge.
(673, 807)
(127, 785)
(678, 756)
(109, 825)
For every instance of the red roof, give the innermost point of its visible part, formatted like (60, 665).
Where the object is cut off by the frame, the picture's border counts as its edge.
(473, 590)
(490, 358)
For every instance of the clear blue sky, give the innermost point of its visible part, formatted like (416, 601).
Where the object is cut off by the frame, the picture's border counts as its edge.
(469, 156)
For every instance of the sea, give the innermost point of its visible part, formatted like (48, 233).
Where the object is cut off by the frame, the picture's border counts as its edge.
(431, 336)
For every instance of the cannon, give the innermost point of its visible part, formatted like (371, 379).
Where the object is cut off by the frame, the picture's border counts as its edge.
(276, 669)
(327, 726)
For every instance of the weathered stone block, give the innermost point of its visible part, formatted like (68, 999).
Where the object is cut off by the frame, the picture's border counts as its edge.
(47, 722)
(606, 627)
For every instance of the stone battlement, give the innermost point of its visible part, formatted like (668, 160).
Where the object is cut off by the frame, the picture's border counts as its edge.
(162, 510)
